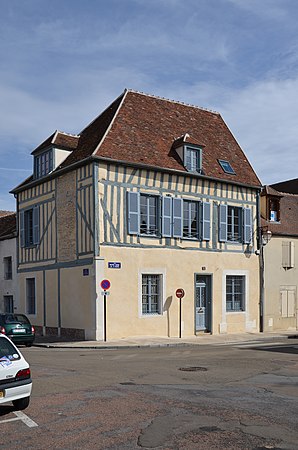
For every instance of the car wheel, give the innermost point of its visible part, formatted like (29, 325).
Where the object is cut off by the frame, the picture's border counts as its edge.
(21, 403)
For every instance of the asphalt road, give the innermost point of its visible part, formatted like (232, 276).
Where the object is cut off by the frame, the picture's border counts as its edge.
(200, 397)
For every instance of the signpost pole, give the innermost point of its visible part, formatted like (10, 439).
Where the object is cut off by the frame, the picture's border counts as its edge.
(180, 294)
(105, 314)
(180, 321)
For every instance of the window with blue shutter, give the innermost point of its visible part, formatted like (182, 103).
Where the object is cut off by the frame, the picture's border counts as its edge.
(22, 229)
(206, 219)
(167, 216)
(133, 200)
(35, 225)
(223, 223)
(247, 225)
(177, 217)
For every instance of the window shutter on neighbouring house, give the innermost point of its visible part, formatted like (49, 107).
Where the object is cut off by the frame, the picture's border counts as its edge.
(247, 225)
(177, 217)
(206, 221)
(22, 229)
(167, 216)
(133, 200)
(36, 225)
(223, 223)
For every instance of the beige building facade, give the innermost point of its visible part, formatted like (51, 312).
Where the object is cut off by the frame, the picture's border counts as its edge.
(149, 227)
(280, 219)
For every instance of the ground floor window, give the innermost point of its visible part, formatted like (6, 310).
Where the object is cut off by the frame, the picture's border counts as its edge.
(235, 293)
(8, 303)
(151, 294)
(30, 296)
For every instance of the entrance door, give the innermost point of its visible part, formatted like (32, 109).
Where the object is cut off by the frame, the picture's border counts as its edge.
(203, 302)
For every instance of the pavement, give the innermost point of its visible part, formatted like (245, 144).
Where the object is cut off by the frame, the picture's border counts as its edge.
(161, 341)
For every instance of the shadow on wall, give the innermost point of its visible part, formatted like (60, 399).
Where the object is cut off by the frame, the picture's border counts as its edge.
(166, 309)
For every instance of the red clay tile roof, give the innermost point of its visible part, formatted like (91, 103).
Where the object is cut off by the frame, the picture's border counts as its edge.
(60, 140)
(145, 127)
(141, 129)
(8, 226)
(6, 213)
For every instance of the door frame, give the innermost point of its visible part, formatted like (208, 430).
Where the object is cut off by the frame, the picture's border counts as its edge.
(210, 308)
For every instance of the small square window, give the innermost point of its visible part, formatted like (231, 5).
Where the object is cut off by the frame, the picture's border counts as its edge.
(226, 167)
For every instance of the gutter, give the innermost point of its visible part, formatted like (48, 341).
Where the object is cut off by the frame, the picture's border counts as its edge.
(92, 158)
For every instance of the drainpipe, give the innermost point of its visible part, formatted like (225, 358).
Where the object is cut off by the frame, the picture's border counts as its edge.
(260, 248)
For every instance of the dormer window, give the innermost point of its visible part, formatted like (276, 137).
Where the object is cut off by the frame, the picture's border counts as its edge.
(193, 158)
(43, 163)
(274, 209)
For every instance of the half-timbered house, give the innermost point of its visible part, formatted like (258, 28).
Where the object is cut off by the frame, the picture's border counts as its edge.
(153, 195)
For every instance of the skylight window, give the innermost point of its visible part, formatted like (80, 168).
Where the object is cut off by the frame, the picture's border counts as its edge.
(226, 167)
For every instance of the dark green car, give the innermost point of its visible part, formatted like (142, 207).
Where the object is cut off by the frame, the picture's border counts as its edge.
(18, 328)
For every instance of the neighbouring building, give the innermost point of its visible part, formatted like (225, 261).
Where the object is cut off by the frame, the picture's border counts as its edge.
(153, 195)
(8, 262)
(279, 218)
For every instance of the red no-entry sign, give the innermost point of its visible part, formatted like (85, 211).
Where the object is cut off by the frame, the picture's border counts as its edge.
(180, 293)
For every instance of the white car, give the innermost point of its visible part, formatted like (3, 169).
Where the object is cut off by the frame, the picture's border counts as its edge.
(15, 376)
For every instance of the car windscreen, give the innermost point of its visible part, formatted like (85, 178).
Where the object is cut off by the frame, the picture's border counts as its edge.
(15, 318)
(7, 352)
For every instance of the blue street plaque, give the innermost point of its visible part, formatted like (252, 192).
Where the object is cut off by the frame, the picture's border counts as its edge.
(114, 265)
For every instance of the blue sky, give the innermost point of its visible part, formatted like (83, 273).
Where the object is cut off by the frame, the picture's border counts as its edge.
(64, 61)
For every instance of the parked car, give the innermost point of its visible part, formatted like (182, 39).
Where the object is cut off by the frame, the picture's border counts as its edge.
(18, 328)
(15, 376)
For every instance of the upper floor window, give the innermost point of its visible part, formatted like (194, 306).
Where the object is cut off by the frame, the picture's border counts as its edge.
(168, 216)
(235, 224)
(29, 227)
(193, 159)
(274, 209)
(148, 214)
(43, 164)
(190, 219)
(7, 268)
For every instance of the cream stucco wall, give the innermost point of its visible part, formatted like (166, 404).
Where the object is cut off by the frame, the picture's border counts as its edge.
(178, 268)
(278, 278)
(8, 248)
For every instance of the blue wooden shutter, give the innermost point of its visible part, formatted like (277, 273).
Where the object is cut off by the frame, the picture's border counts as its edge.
(206, 216)
(247, 225)
(36, 225)
(22, 229)
(223, 223)
(166, 217)
(177, 217)
(133, 201)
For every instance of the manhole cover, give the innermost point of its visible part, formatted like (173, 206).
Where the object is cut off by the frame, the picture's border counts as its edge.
(193, 369)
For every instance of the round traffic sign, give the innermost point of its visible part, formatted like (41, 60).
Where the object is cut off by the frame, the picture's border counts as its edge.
(105, 284)
(180, 293)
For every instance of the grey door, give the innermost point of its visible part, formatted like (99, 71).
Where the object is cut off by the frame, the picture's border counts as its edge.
(203, 302)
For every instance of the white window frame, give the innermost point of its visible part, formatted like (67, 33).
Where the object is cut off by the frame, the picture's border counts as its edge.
(226, 313)
(190, 202)
(232, 236)
(243, 295)
(193, 158)
(148, 232)
(162, 273)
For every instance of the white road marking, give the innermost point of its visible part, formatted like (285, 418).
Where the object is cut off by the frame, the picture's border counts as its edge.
(29, 422)
(21, 416)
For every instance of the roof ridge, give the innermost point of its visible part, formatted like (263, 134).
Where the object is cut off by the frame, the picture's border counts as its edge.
(173, 101)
